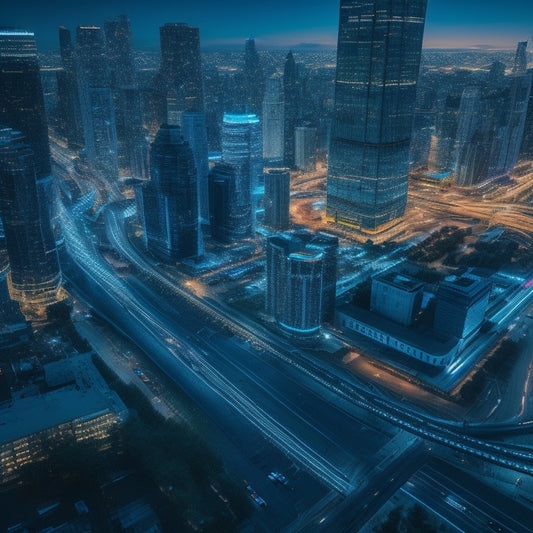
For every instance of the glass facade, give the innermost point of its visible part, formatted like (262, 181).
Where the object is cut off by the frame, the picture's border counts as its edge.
(378, 58)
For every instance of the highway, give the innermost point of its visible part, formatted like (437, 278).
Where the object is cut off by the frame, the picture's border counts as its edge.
(441, 431)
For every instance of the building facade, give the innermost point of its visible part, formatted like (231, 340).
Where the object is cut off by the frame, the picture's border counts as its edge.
(396, 296)
(305, 148)
(170, 199)
(277, 198)
(378, 58)
(242, 147)
(298, 291)
(273, 122)
(461, 306)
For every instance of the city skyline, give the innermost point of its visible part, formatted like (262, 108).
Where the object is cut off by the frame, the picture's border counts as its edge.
(449, 24)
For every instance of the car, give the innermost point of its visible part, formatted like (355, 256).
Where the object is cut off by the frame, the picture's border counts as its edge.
(276, 477)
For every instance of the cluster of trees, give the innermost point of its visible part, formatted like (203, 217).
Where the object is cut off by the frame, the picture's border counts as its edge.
(438, 244)
(415, 520)
(499, 364)
(175, 457)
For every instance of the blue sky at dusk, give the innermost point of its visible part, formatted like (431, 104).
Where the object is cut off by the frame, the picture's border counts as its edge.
(449, 23)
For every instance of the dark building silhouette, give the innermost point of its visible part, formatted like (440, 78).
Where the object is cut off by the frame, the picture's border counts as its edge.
(169, 201)
(254, 78)
(291, 98)
(97, 106)
(179, 82)
(378, 58)
(298, 288)
(194, 131)
(132, 146)
(223, 211)
(70, 123)
(35, 277)
(21, 94)
(277, 198)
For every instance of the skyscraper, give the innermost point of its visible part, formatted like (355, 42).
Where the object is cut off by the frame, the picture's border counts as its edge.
(195, 133)
(277, 198)
(170, 199)
(97, 106)
(242, 148)
(68, 99)
(305, 148)
(35, 277)
(132, 146)
(180, 73)
(273, 124)
(378, 58)
(223, 212)
(296, 266)
(254, 78)
(21, 94)
(291, 98)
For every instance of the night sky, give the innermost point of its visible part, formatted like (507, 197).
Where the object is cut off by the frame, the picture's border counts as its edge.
(449, 23)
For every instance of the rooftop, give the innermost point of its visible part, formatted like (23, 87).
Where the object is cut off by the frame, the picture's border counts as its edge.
(400, 281)
(89, 397)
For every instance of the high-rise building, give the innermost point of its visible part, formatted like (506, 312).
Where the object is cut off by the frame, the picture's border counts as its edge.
(21, 94)
(291, 108)
(273, 124)
(97, 106)
(35, 277)
(468, 120)
(461, 306)
(194, 131)
(132, 146)
(254, 78)
(180, 73)
(70, 123)
(378, 58)
(296, 264)
(242, 148)
(277, 198)
(305, 148)
(170, 199)
(526, 150)
(223, 213)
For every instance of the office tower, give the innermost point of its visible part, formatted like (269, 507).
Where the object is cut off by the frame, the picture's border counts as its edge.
(520, 59)
(97, 106)
(273, 123)
(180, 73)
(277, 198)
(70, 123)
(396, 296)
(21, 94)
(254, 78)
(35, 277)
(378, 58)
(468, 120)
(132, 146)
(170, 199)
(194, 132)
(442, 146)
(461, 306)
(296, 265)
(242, 147)
(291, 112)
(305, 148)
(224, 215)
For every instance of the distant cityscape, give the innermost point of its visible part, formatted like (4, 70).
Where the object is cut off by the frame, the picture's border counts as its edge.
(265, 290)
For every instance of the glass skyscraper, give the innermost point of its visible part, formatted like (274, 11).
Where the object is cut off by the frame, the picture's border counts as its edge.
(378, 57)
(242, 147)
(34, 276)
(170, 199)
